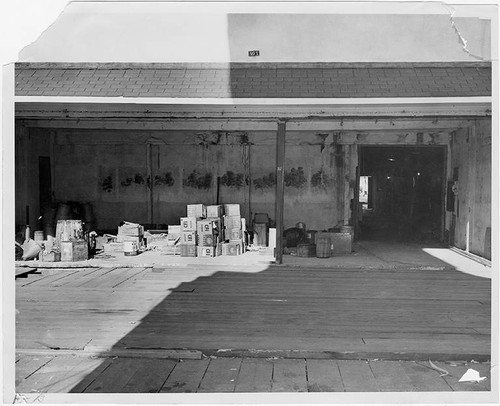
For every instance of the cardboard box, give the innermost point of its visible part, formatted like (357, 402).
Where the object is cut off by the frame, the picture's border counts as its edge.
(207, 251)
(188, 238)
(129, 238)
(171, 250)
(113, 247)
(205, 226)
(197, 210)
(341, 242)
(234, 235)
(77, 250)
(232, 209)
(131, 229)
(188, 250)
(188, 224)
(232, 248)
(232, 222)
(214, 211)
(207, 240)
(174, 229)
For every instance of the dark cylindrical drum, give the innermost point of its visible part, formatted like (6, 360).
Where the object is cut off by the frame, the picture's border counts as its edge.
(323, 247)
(306, 250)
(64, 212)
(49, 211)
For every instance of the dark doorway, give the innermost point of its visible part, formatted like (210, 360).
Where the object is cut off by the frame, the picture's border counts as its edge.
(402, 193)
(44, 180)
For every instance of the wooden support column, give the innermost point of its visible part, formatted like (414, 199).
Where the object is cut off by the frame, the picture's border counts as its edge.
(280, 189)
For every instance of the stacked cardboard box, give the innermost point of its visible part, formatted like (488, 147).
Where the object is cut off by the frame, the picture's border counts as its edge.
(233, 230)
(130, 232)
(188, 235)
(208, 232)
(209, 237)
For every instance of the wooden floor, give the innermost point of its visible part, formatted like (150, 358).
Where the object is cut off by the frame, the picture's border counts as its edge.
(311, 312)
(59, 374)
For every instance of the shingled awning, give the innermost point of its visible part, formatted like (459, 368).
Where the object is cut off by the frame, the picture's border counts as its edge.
(281, 80)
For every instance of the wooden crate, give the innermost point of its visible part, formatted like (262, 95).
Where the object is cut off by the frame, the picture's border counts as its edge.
(74, 250)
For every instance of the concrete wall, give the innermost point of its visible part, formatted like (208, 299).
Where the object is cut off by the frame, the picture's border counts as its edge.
(471, 154)
(113, 169)
(162, 32)
(30, 144)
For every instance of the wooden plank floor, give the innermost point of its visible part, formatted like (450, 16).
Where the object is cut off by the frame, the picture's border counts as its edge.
(372, 313)
(60, 374)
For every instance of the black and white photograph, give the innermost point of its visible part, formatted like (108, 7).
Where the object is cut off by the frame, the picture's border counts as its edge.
(250, 202)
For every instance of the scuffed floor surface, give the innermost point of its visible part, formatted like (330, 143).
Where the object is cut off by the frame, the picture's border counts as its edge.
(39, 374)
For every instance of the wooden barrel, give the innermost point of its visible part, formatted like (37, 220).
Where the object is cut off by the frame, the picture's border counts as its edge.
(69, 230)
(323, 247)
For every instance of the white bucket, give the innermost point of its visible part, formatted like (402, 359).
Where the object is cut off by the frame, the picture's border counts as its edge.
(130, 248)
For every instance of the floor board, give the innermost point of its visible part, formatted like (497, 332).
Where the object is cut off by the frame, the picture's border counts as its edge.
(149, 376)
(220, 375)
(289, 375)
(390, 376)
(421, 378)
(357, 376)
(256, 375)
(323, 375)
(186, 376)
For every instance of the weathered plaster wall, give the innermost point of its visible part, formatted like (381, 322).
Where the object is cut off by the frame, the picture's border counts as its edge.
(162, 32)
(30, 144)
(471, 154)
(114, 169)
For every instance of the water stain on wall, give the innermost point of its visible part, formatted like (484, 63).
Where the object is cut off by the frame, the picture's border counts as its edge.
(198, 181)
(265, 182)
(321, 180)
(236, 180)
(107, 184)
(295, 177)
(165, 180)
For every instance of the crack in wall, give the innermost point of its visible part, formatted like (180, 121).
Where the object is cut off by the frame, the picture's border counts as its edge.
(461, 38)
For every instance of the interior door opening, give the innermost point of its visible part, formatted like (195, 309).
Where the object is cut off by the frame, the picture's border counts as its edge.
(401, 193)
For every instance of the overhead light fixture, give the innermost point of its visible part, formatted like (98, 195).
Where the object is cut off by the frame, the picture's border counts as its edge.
(391, 159)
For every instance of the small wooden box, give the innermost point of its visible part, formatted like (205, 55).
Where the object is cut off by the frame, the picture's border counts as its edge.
(74, 250)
